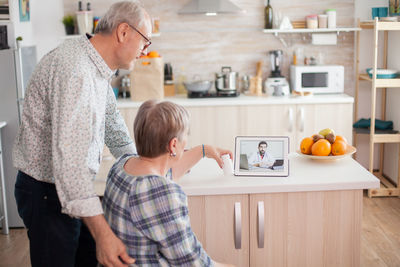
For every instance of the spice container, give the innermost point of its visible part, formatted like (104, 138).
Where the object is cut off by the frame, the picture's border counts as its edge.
(322, 21)
(312, 21)
(331, 18)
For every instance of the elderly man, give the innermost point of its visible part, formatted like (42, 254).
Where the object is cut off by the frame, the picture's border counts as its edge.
(69, 113)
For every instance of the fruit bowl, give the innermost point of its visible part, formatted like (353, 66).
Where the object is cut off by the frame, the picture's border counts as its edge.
(350, 151)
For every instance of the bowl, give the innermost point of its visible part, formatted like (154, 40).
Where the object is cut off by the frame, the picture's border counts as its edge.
(350, 151)
(198, 86)
(384, 73)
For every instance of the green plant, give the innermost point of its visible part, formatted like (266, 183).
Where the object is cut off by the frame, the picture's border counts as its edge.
(68, 20)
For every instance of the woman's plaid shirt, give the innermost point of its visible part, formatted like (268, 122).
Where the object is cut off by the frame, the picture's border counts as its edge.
(150, 215)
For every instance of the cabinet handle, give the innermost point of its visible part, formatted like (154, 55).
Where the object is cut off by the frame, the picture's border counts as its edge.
(238, 226)
(301, 111)
(290, 114)
(260, 222)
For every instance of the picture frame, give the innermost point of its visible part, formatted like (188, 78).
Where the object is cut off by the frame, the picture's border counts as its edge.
(394, 7)
(266, 156)
(24, 10)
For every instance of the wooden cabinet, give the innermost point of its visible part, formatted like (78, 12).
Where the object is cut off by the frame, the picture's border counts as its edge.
(221, 223)
(219, 125)
(281, 229)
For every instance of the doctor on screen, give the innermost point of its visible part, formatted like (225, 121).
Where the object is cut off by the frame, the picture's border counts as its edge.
(262, 158)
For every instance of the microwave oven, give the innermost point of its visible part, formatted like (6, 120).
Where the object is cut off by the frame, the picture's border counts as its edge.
(319, 79)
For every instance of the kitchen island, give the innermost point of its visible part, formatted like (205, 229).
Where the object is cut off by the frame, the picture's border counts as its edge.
(310, 218)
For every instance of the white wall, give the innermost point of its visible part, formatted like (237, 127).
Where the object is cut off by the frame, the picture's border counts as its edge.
(44, 29)
(392, 151)
(363, 11)
(46, 16)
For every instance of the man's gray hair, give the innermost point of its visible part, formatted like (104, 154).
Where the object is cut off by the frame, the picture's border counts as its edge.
(131, 12)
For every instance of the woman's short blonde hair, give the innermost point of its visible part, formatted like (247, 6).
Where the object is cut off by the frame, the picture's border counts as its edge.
(156, 124)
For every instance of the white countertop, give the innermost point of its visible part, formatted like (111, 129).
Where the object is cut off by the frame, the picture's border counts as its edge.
(247, 100)
(206, 178)
(2, 124)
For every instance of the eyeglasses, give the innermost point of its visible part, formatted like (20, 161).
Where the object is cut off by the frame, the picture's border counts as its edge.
(144, 37)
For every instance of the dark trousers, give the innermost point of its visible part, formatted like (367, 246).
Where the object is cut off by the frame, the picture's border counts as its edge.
(55, 239)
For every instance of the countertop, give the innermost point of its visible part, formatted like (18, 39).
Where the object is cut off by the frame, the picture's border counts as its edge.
(246, 100)
(206, 178)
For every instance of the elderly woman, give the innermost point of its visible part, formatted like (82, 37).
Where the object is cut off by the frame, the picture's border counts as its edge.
(144, 208)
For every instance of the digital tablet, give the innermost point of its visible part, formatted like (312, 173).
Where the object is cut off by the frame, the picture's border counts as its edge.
(261, 156)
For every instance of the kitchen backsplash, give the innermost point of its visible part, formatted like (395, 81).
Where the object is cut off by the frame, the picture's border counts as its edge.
(199, 44)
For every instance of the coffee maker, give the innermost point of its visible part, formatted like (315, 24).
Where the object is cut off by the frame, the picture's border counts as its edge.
(276, 84)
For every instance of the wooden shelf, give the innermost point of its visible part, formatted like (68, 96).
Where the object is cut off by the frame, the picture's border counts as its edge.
(381, 83)
(381, 25)
(305, 30)
(377, 131)
(380, 137)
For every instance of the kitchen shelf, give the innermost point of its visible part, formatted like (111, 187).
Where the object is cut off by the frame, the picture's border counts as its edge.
(377, 131)
(74, 36)
(305, 30)
(381, 25)
(381, 83)
(376, 136)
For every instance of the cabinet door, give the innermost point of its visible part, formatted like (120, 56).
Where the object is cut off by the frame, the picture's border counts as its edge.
(215, 221)
(267, 120)
(215, 126)
(306, 229)
(314, 117)
(129, 115)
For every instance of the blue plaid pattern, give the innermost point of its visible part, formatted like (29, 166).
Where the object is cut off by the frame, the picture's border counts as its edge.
(150, 215)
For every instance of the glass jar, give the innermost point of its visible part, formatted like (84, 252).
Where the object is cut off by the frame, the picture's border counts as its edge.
(312, 21)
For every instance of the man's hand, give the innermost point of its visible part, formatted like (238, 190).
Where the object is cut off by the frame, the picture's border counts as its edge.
(216, 153)
(110, 251)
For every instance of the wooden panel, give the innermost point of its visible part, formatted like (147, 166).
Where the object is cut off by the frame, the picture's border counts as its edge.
(215, 126)
(212, 219)
(308, 229)
(129, 115)
(275, 251)
(269, 120)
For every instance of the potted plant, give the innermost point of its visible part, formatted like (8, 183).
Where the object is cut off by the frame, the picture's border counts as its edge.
(69, 24)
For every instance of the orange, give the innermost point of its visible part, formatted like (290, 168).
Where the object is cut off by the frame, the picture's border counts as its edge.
(321, 148)
(305, 145)
(339, 148)
(153, 54)
(341, 138)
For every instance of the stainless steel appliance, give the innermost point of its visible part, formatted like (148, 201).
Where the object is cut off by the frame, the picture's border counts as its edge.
(16, 66)
(3, 37)
(319, 79)
(227, 81)
(276, 84)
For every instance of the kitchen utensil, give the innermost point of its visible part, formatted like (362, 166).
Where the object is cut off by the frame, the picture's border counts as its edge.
(197, 85)
(256, 81)
(384, 73)
(245, 84)
(227, 81)
(85, 21)
(350, 151)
